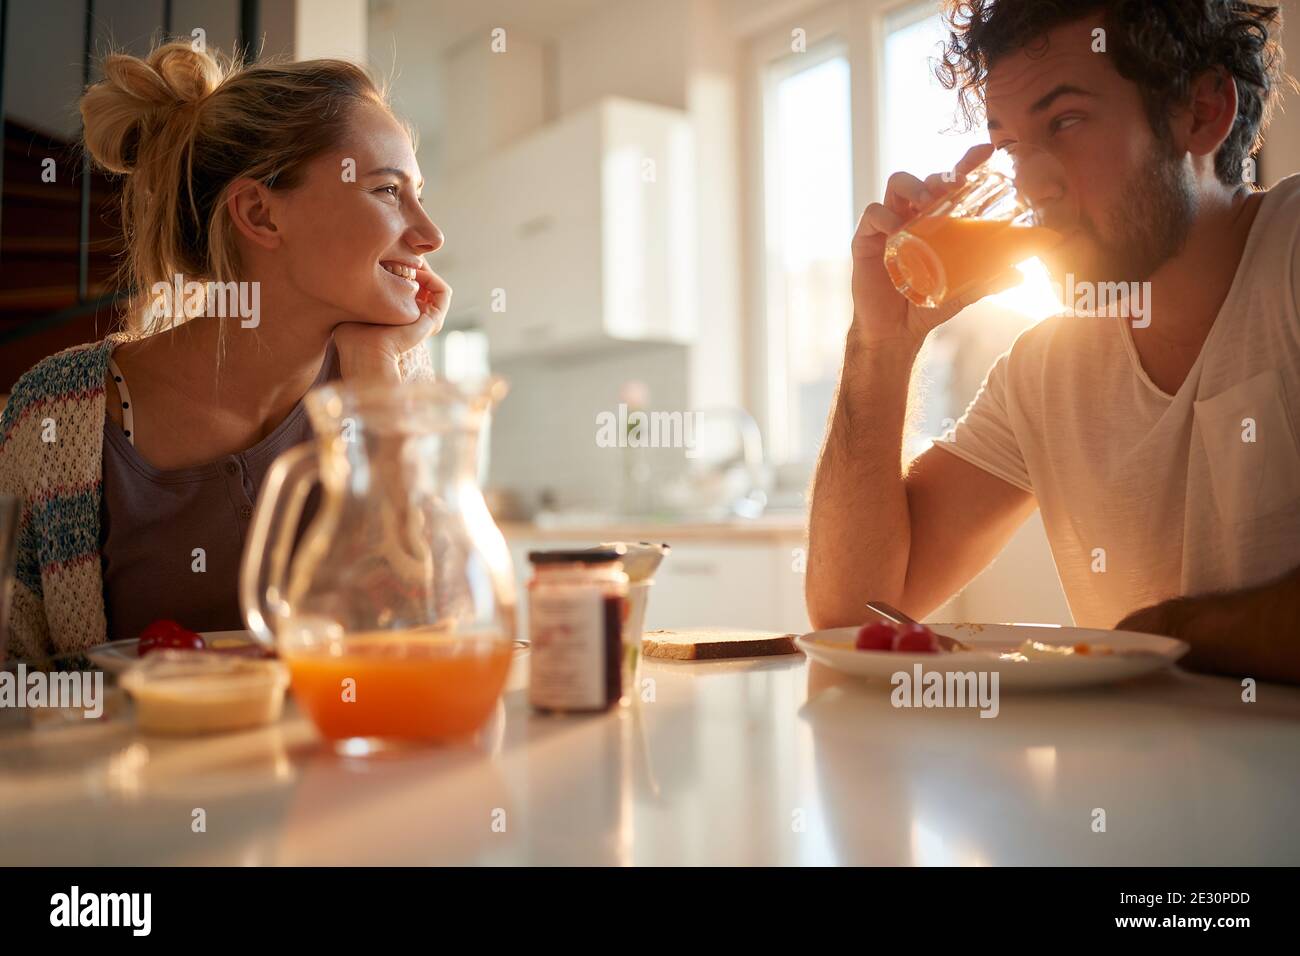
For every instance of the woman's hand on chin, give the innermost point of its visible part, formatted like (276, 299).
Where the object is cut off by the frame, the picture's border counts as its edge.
(368, 351)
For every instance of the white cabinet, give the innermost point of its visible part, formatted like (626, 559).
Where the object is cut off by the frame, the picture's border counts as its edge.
(579, 236)
(704, 584)
(707, 583)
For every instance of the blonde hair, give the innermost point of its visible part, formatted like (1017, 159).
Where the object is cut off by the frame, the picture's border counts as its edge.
(182, 125)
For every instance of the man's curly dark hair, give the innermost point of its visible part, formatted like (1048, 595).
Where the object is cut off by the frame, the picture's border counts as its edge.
(1161, 45)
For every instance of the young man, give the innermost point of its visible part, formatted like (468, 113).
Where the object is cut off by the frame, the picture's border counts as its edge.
(1163, 454)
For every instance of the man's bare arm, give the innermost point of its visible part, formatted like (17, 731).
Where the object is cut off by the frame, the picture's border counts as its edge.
(1253, 632)
(962, 517)
(859, 528)
(875, 532)
(912, 538)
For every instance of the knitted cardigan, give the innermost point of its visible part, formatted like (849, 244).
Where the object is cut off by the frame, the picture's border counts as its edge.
(51, 459)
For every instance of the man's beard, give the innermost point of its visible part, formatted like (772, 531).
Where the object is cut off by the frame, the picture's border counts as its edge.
(1148, 226)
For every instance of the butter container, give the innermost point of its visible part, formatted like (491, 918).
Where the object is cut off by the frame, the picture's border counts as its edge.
(199, 692)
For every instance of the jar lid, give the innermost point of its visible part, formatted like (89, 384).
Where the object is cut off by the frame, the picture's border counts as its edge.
(578, 556)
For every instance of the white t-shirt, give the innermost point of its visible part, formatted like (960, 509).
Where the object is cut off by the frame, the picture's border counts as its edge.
(1145, 495)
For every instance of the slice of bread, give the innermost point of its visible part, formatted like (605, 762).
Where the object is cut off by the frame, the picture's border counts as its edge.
(715, 643)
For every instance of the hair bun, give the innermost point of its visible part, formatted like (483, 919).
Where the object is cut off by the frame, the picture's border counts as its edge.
(139, 96)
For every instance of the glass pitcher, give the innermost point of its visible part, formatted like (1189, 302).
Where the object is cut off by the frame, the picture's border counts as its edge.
(396, 612)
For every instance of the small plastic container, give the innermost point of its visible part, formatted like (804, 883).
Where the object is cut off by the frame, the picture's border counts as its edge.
(198, 692)
(638, 595)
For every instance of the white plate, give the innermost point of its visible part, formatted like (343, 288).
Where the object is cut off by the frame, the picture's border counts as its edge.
(1135, 654)
(117, 656)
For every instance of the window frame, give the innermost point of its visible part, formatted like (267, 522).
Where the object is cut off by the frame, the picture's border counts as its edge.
(857, 29)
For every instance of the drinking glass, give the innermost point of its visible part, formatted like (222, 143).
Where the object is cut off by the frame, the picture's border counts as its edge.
(1013, 206)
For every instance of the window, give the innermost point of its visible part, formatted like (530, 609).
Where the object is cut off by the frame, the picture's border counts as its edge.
(461, 355)
(869, 84)
(809, 220)
(918, 116)
(919, 133)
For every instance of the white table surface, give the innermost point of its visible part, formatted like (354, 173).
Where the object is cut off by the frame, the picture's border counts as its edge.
(754, 762)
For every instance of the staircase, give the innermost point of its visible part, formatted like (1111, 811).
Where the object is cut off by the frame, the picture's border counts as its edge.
(41, 310)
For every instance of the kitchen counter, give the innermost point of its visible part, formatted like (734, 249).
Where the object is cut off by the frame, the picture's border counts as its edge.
(781, 528)
(775, 761)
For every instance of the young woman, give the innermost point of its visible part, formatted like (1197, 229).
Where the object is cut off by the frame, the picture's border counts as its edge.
(297, 183)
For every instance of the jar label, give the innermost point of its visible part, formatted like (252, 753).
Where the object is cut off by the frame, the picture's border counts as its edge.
(567, 656)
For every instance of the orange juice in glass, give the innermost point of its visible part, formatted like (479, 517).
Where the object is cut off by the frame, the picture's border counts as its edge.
(992, 221)
(398, 685)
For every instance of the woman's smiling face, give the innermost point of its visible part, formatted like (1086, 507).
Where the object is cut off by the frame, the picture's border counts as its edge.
(354, 232)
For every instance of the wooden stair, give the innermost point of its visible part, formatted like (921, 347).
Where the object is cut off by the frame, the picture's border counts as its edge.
(40, 225)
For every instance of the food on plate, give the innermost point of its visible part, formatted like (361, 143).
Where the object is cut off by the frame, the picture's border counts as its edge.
(168, 635)
(703, 643)
(903, 638)
(180, 692)
(240, 645)
(1037, 650)
(876, 636)
(1032, 650)
(916, 639)
(1099, 650)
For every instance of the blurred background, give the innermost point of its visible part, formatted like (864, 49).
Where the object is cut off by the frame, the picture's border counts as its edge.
(648, 209)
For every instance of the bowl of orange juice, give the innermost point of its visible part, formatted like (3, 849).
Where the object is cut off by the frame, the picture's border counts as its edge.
(416, 685)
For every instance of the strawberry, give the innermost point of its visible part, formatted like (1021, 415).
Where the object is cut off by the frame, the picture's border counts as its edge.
(916, 639)
(877, 636)
(168, 635)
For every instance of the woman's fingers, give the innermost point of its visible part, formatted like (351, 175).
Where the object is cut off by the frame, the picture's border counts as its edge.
(406, 337)
(430, 280)
(426, 325)
(434, 297)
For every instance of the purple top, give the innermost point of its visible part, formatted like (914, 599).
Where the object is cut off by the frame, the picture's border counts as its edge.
(153, 520)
